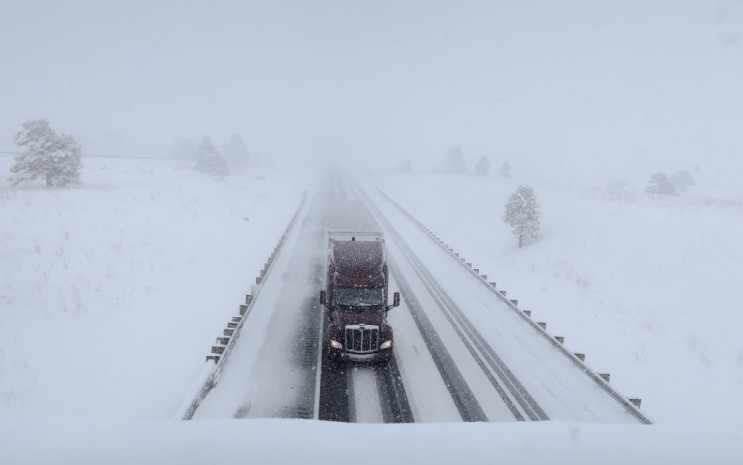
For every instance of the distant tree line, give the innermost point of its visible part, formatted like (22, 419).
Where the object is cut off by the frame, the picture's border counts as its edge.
(43, 154)
(454, 162)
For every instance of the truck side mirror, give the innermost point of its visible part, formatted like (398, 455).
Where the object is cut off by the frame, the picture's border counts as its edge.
(396, 299)
(322, 297)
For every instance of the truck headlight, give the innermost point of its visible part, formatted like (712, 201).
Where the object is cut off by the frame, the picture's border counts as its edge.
(335, 344)
(386, 344)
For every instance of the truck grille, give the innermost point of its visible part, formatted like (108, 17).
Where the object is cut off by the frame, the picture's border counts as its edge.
(362, 338)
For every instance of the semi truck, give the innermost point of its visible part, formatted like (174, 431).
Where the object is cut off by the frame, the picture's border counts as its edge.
(357, 281)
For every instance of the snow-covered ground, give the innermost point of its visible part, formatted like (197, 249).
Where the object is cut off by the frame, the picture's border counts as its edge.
(312, 442)
(112, 293)
(646, 285)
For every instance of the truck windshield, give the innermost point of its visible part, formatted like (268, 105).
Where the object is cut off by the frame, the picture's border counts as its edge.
(359, 296)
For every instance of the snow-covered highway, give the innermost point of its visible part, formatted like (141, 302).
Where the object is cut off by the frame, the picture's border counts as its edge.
(461, 352)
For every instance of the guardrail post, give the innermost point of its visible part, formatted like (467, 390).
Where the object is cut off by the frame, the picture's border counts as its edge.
(243, 310)
(560, 339)
(515, 302)
(212, 357)
(542, 325)
(581, 357)
(228, 332)
(605, 376)
(636, 402)
(217, 349)
(527, 313)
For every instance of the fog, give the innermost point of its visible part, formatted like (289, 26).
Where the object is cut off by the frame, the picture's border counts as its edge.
(576, 88)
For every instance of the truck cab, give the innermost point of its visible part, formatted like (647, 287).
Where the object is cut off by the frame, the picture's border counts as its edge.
(356, 294)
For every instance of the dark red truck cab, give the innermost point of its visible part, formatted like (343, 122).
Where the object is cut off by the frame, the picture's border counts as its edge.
(356, 297)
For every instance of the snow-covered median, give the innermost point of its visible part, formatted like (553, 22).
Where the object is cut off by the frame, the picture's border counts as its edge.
(112, 292)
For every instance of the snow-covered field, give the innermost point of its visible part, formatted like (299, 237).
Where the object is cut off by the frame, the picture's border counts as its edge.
(646, 285)
(112, 292)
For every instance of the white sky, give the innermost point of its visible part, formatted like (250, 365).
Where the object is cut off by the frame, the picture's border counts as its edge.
(609, 87)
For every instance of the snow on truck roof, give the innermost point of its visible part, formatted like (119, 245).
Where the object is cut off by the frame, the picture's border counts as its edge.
(358, 258)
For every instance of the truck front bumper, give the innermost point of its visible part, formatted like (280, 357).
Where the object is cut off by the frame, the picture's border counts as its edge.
(372, 357)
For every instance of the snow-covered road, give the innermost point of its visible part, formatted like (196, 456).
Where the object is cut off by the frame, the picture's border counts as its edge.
(461, 352)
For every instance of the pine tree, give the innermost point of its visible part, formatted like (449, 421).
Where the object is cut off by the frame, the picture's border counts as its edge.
(522, 213)
(660, 183)
(235, 151)
(683, 180)
(505, 169)
(209, 160)
(45, 154)
(454, 161)
(483, 167)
